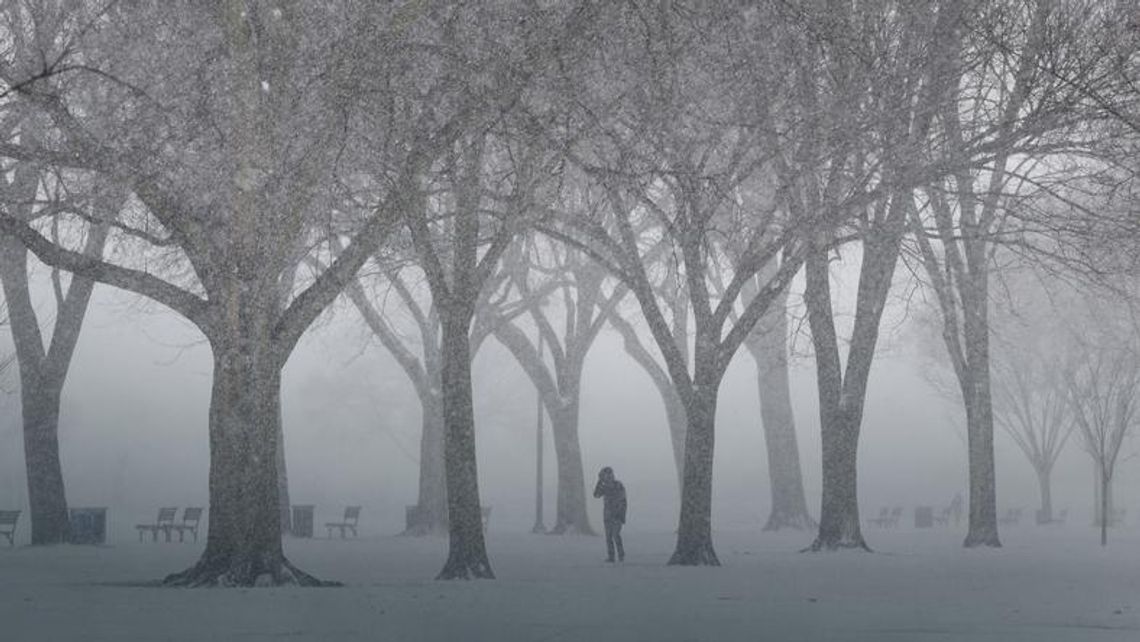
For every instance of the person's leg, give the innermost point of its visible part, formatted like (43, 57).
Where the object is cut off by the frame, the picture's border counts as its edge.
(618, 542)
(609, 540)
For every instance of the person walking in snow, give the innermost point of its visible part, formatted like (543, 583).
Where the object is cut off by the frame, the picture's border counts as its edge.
(613, 511)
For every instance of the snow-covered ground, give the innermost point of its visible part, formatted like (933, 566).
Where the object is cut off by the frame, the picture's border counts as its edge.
(1046, 584)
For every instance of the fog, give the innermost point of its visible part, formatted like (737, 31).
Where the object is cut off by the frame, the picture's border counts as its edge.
(133, 429)
(818, 319)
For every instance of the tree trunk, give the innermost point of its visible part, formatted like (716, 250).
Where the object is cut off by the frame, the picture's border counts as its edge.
(1105, 510)
(694, 535)
(678, 426)
(571, 514)
(843, 389)
(432, 498)
(768, 346)
(283, 477)
(47, 501)
(467, 552)
(982, 526)
(243, 545)
(1044, 484)
(839, 526)
(1102, 503)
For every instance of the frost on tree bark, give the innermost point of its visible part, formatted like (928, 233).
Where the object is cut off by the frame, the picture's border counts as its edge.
(467, 552)
(458, 263)
(843, 387)
(243, 545)
(282, 477)
(768, 347)
(839, 424)
(40, 389)
(694, 533)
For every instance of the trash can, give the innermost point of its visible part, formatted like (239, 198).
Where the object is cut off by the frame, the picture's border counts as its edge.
(88, 525)
(302, 520)
(924, 517)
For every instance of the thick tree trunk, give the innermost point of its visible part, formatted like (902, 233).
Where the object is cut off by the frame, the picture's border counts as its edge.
(678, 426)
(571, 516)
(694, 535)
(843, 388)
(467, 552)
(983, 525)
(47, 501)
(839, 526)
(243, 544)
(432, 498)
(768, 346)
(283, 477)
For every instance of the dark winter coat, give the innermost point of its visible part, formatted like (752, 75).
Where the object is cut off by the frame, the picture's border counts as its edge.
(613, 506)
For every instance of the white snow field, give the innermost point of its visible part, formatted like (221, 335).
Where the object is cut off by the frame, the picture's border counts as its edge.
(1046, 584)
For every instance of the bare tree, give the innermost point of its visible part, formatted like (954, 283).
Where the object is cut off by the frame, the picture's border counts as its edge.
(1019, 54)
(1031, 406)
(43, 368)
(421, 359)
(675, 305)
(768, 345)
(459, 238)
(584, 305)
(1104, 394)
(672, 153)
(882, 82)
(231, 162)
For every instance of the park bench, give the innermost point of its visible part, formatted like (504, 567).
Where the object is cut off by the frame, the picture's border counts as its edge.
(882, 520)
(351, 517)
(164, 523)
(8, 519)
(190, 519)
(943, 517)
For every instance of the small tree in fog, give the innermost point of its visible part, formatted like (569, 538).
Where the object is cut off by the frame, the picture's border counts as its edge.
(574, 285)
(1104, 394)
(1031, 405)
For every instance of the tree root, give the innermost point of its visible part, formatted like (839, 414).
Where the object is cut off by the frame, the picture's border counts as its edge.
(837, 544)
(260, 570)
(458, 568)
(701, 554)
